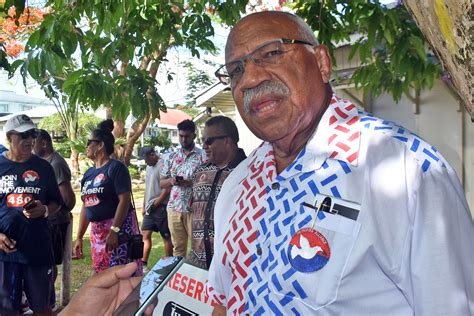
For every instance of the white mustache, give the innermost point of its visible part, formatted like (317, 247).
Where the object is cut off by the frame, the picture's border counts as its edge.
(265, 87)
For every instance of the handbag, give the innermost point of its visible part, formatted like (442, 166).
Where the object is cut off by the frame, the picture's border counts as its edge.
(134, 241)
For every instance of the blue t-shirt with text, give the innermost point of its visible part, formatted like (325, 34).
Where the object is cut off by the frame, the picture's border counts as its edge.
(100, 188)
(19, 183)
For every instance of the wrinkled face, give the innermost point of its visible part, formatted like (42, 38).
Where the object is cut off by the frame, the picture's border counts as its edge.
(151, 159)
(22, 143)
(283, 99)
(215, 144)
(186, 139)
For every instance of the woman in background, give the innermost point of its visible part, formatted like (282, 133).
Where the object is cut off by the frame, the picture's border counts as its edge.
(106, 194)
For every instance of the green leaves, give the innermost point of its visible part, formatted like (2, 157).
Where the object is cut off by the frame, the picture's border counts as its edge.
(99, 52)
(391, 48)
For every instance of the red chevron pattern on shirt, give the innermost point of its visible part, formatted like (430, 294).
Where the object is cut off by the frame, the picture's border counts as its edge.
(243, 231)
(343, 135)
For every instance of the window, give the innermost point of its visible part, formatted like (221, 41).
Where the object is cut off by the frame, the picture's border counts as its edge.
(26, 107)
(4, 108)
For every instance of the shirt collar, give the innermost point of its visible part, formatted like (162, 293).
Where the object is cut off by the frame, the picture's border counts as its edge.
(336, 137)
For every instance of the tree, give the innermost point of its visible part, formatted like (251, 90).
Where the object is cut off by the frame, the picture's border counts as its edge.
(74, 143)
(196, 80)
(15, 28)
(161, 140)
(391, 48)
(120, 45)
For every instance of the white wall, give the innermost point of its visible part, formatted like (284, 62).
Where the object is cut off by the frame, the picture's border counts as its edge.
(248, 141)
(442, 122)
(469, 160)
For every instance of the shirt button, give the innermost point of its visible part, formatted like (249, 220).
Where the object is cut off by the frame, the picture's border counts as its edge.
(275, 186)
(259, 251)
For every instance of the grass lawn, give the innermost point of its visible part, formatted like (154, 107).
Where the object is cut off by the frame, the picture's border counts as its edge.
(82, 269)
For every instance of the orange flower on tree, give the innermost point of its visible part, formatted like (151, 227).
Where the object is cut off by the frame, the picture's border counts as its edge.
(14, 32)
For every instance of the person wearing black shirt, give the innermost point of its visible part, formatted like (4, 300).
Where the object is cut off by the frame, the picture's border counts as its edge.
(28, 194)
(106, 195)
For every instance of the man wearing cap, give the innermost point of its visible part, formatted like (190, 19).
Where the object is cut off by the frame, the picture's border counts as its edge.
(28, 194)
(154, 205)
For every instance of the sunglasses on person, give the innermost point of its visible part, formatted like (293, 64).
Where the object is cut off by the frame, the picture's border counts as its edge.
(209, 140)
(90, 141)
(25, 135)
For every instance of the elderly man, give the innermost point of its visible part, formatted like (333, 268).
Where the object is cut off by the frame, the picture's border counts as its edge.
(337, 212)
(28, 194)
(220, 138)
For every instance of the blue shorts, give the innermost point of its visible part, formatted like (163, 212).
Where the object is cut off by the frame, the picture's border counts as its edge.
(37, 282)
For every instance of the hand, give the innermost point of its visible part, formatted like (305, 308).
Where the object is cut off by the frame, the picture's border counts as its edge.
(156, 203)
(112, 241)
(173, 181)
(38, 211)
(219, 310)
(6, 244)
(103, 293)
(77, 250)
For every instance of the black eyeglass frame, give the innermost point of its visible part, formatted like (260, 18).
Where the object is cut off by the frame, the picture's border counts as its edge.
(210, 140)
(225, 79)
(33, 133)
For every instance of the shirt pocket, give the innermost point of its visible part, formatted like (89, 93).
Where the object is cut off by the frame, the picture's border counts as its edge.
(312, 275)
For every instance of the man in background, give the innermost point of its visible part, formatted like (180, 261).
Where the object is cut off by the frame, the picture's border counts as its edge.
(154, 205)
(177, 175)
(220, 138)
(60, 220)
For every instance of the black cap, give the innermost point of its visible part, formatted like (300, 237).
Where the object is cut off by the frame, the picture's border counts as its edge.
(145, 151)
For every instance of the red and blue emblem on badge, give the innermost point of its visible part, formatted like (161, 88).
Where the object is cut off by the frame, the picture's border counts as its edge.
(99, 179)
(30, 177)
(309, 250)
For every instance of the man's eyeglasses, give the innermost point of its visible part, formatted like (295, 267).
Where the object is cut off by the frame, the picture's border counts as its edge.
(90, 141)
(33, 133)
(268, 53)
(209, 140)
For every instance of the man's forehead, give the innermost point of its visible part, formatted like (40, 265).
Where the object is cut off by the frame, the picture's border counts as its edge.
(255, 30)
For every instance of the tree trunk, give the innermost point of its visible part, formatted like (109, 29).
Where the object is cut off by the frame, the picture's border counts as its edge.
(75, 162)
(448, 25)
(73, 137)
(134, 133)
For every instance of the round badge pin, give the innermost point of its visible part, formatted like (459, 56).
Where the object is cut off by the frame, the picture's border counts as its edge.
(309, 250)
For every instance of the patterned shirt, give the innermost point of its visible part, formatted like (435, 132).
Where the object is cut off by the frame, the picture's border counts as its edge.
(181, 164)
(208, 178)
(408, 250)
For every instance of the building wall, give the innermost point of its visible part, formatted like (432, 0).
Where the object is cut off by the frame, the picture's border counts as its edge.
(468, 155)
(442, 121)
(248, 141)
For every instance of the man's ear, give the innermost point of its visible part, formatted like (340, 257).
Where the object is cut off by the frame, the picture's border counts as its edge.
(324, 62)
